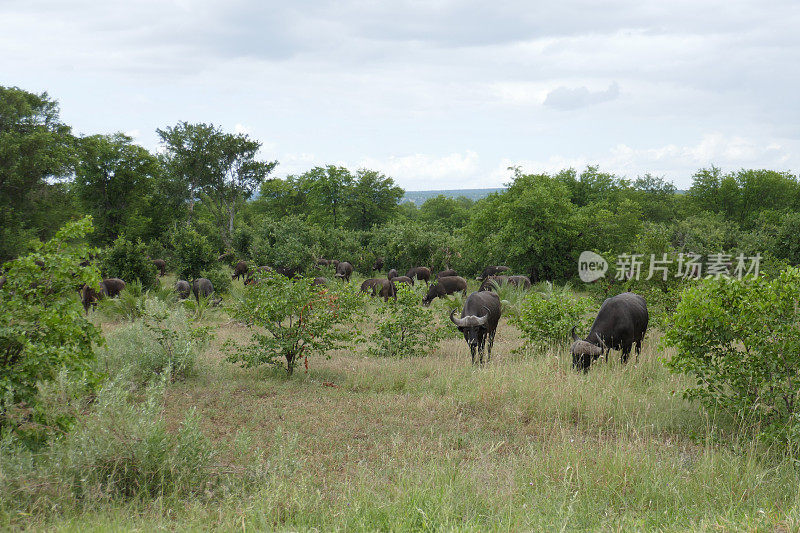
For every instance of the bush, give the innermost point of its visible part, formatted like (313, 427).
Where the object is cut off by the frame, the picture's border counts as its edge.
(128, 261)
(163, 341)
(192, 253)
(130, 304)
(42, 325)
(300, 319)
(547, 317)
(404, 328)
(740, 342)
(220, 277)
(122, 450)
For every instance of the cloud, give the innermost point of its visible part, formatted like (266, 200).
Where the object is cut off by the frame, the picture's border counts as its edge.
(425, 171)
(564, 99)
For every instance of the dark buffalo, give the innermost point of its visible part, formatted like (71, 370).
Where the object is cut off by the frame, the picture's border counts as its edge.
(445, 286)
(254, 274)
(202, 287)
(620, 323)
(402, 279)
(183, 288)
(492, 271)
(320, 281)
(334, 263)
(446, 273)
(378, 264)
(322, 263)
(289, 272)
(89, 298)
(344, 270)
(368, 284)
(478, 322)
(490, 283)
(385, 289)
(240, 270)
(111, 287)
(421, 273)
(161, 265)
(391, 274)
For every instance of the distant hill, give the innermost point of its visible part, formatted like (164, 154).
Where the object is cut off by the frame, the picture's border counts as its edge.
(419, 197)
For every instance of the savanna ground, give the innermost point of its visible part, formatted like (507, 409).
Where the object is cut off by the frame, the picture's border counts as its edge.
(432, 443)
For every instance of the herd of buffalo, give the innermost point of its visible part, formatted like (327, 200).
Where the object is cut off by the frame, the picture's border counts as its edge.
(620, 324)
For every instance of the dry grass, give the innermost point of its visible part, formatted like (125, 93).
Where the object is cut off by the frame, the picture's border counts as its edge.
(360, 443)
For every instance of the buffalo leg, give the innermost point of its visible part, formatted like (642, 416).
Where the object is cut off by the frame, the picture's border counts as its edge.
(638, 349)
(626, 352)
(472, 350)
(491, 343)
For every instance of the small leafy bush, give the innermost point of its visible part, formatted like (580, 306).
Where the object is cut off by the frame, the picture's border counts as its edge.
(192, 253)
(220, 277)
(42, 325)
(547, 317)
(405, 328)
(128, 261)
(292, 320)
(162, 341)
(740, 342)
(130, 304)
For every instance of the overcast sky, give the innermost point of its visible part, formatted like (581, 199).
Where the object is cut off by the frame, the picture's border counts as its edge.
(436, 94)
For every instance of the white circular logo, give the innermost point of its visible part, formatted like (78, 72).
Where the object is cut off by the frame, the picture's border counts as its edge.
(591, 266)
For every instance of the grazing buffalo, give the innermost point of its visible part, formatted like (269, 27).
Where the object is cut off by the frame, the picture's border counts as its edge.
(368, 284)
(445, 286)
(490, 283)
(478, 322)
(111, 287)
(289, 272)
(446, 273)
(385, 289)
(334, 263)
(240, 270)
(378, 264)
(320, 281)
(89, 298)
(183, 288)
(161, 265)
(421, 273)
(391, 274)
(202, 287)
(253, 275)
(322, 262)
(344, 270)
(402, 279)
(620, 323)
(491, 271)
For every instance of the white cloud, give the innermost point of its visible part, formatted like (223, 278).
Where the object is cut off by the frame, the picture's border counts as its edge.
(424, 171)
(564, 98)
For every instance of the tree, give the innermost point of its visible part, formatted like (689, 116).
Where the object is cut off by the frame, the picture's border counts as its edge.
(115, 181)
(373, 199)
(329, 190)
(36, 150)
(220, 167)
(449, 213)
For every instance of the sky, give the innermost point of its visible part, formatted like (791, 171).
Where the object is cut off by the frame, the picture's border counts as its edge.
(435, 94)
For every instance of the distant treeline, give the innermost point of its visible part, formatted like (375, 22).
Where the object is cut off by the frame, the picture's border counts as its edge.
(204, 177)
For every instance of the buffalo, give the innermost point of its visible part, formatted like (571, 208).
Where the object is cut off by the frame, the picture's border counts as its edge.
(402, 279)
(89, 298)
(344, 270)
(322, 262)
(253, 275)
(385, 289)
(202, 287)
(109, 287)
(240, 270)
(445, 286)
(478, 322)
(289, 272)
(183, 288)
(446, 273)
(378, 264)
(392, 274)
(368, 284)
(421, 273)
(491, 271)
(319, 281)
(620, 323)
(161, 265)
(490, 283)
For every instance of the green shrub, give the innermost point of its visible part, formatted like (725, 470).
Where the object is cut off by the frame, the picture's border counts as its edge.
(192, 253)
(163, 340)
(130, 304)
(404, 328)
(549, 313)
(42, 324)
(220, 277)
(128, 261)
(121, 450)
(740, 342)
(298, 320)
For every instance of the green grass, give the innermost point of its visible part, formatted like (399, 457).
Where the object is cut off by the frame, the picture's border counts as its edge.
(432, 443)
